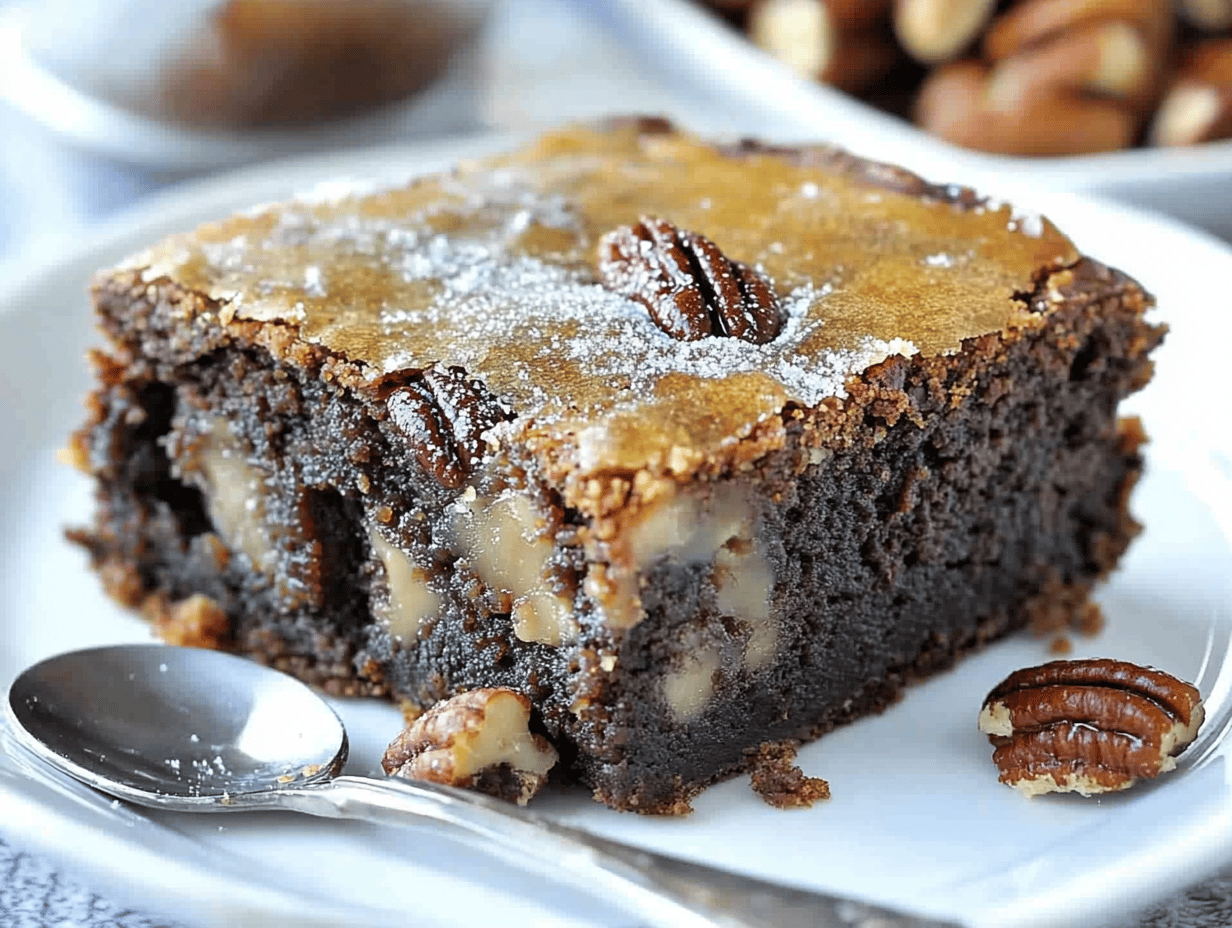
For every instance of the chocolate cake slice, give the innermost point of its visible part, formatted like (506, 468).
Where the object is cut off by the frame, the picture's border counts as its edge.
(698, 447)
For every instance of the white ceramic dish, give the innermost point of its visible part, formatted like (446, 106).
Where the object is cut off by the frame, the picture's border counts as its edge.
(748, 91)
(55, 53)
(917, 819)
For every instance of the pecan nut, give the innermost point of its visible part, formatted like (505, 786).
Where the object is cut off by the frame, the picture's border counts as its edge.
(844, 44)
(690, 288)
(1088, 726)
(1054, 77)
(445, 414)
(934, 31)
(478, 740)
(1207, 15)
(1198, 105)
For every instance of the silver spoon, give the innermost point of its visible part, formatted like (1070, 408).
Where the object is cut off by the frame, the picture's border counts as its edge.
(203, 731)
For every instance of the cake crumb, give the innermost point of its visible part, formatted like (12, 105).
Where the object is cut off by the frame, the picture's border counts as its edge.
(410, 711)
(1060, 644)
(1090, 620)
(197, 621)
(1061, 607)
(75, 455)
(779, 782)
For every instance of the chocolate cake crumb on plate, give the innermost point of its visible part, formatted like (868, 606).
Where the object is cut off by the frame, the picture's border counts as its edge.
(779, 782)
(696, 446)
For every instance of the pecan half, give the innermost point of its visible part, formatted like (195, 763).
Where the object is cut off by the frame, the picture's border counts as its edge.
(477, 740)
(690, 288)
(1088, 726)
(444, 414)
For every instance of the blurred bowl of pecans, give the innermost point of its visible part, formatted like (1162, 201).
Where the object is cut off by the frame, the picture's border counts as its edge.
(1131, 98)
(1032, 77)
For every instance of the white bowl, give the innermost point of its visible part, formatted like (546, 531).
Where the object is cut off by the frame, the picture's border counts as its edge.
(54, 56)
(747, 91)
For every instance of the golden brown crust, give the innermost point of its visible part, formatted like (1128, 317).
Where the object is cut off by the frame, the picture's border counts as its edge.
(501, 280)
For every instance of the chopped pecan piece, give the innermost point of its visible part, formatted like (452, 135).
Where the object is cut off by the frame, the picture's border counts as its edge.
(690, 288)
(1088, 726)
(444, 414)
(477, 740)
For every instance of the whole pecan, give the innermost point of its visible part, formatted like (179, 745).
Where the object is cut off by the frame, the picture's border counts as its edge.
(1198, 105)
(1088, 726)
(690, 288)
(1053, 77)
(445, 413)
(934, 31)
(845, 43)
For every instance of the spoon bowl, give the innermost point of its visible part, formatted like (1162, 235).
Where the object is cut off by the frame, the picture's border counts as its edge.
(195, 730)
(175, 727)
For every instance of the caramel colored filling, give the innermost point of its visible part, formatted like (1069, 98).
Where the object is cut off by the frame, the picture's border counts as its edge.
(409, 603)
(689, 688)
(507, 550)
(234, 495)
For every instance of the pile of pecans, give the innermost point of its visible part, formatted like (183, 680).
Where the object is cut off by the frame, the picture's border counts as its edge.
(1023, 77)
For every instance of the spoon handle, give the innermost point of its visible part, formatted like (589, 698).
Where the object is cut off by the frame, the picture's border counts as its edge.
(664, 891)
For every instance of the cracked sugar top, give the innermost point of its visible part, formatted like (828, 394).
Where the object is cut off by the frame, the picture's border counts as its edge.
(494, 267)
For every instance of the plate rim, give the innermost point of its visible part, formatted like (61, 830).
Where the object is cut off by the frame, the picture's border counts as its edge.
(217, 194)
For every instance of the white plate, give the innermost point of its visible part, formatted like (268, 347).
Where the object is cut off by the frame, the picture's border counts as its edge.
(749, 91)
(917, 819)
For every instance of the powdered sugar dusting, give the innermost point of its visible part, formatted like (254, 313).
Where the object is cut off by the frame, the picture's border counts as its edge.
(505, 190)
(1024, 221)
(1030, 224)
(455, 278)
(495, 296)
(313, 285)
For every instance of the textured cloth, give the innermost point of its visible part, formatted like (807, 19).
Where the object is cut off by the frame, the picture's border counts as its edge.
(1208, 905)
(34, 895)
